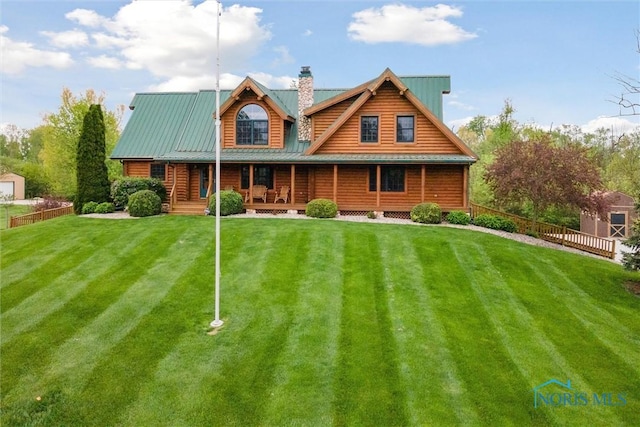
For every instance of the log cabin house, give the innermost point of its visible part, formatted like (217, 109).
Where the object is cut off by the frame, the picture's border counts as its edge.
(381, 146)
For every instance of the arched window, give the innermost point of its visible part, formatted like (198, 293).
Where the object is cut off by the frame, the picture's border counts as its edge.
(252, 126)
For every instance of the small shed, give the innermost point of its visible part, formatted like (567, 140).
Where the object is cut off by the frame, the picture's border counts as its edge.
(619, 218)
(12, 184)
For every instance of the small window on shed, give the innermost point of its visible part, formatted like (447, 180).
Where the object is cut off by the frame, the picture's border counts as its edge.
(159, 171)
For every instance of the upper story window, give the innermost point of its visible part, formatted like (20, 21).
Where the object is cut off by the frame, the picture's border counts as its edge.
(252, 126)
(369, 129)
(405, 128)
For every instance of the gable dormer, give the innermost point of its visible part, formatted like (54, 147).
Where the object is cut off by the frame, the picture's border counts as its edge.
(254, 117)
(383, 115)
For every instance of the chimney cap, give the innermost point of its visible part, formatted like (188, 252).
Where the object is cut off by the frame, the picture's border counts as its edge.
(305, 71)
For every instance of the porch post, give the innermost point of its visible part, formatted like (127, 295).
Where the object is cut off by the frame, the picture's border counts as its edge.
(465, 180)
(378, 181)
(335, 183)
(423, 174)
(210, 182)
(293, 184)
(251, 183)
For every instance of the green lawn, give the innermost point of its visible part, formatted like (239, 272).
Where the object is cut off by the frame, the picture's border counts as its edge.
(105, 322)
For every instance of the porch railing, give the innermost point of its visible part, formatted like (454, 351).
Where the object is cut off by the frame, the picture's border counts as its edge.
(17, 221)
(555, 233)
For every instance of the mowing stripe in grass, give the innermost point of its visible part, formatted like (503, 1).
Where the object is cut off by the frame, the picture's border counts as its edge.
(303, 381)
(368, 389)
(179, 313)
(484, 368)
(92, 341)
(432, 382)
(54, 295)
(533, 352)
(604, 326)
(99, 293)
(29, 252)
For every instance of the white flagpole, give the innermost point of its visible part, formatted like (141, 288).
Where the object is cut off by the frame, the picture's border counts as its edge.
(216, 321)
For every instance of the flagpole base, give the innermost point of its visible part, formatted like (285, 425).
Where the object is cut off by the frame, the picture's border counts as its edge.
(216, 323)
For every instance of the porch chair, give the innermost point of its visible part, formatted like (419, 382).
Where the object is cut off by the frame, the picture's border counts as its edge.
(259, 192)
(283, 194)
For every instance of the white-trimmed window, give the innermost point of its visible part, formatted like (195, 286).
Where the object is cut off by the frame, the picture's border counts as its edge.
(252, 126)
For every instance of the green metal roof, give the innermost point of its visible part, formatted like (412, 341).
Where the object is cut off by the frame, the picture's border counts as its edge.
(180, 127)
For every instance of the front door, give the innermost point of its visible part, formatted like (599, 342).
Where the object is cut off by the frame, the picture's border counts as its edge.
(618, 225)
(204, 181)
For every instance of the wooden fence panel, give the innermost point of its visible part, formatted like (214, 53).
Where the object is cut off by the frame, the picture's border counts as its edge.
(32, 218)
(555, 233)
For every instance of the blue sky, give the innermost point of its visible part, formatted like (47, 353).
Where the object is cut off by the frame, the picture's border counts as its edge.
(553, 59)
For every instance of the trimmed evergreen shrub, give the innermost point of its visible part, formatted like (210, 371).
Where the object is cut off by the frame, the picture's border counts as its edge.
(495, 222)
(144, 203)
(104, 208)
(458, 217)
(321, 208)
(89, 208)
(426, 213)
(230, 203)
(122, 188)
(91, 169)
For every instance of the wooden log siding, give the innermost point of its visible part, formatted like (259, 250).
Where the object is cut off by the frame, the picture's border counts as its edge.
(443, 185)
(387, 104)
(228, 123)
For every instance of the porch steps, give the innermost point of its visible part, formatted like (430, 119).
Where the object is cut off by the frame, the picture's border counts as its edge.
(196, 207)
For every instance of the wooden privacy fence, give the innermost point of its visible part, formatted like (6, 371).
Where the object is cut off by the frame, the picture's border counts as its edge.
(17, 221)
(555, 233)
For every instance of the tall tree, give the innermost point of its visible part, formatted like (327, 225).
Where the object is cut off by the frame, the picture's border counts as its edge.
(543, 175)
(92, 174)
(61, 138)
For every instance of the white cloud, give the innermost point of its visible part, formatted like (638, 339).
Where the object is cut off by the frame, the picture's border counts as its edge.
(461, 105)
(617, 125)
(176, 41)
(16, 56)
(104, 61)
(427, 26)
(86, 18)
(67, 39)
(273, 82)
(307, 33)
(284, 57)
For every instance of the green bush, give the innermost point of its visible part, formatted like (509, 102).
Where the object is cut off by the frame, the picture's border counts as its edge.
(371, 215)
(495, 222)
(105, 207)
(321, 208)
(426, 213)
(89, 208)
(230, 203)
(122, 188)
(144, 203)
(458, 217)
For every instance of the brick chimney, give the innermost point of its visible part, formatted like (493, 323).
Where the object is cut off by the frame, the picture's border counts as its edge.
(305, 100)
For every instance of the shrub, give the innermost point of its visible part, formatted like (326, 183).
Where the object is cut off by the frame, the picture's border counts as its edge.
(105, 207)
(50, 203)
(122, 188)
(371, 215)
(230, 203)
(89, 208)
(144, 203)
(321, 208)
(426, 213)
(458, 217)
(495, 222)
